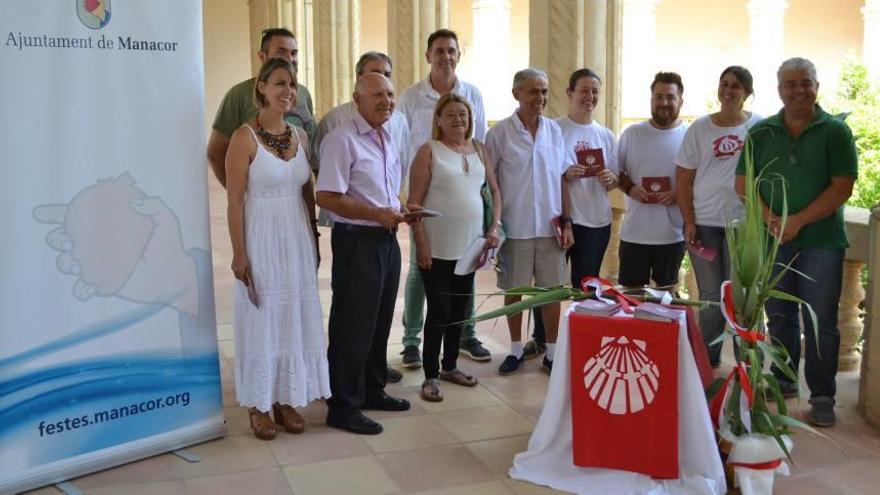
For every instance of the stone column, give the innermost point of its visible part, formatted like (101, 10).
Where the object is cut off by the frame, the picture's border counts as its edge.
(848, 316)
(871, 46)
(290, 14)
(611, 261)
(639, 54)
(336, 25)
(491, 53)
(410, 22)
(869, 399)
(565, 35)
(767, 44)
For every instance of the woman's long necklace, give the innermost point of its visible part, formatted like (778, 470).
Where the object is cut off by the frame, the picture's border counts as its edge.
(279, 143)
(464, 163)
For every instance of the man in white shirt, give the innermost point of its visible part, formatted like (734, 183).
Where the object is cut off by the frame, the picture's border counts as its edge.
(651, 241)
(527, 150)
(417, 105)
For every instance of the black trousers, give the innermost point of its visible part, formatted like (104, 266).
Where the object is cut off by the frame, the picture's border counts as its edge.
(449, 299)
(366, 272)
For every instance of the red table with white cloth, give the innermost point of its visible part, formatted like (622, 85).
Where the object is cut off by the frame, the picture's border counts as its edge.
(549, 458)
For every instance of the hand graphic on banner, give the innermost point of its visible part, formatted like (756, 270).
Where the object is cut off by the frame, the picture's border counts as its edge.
(119, 242)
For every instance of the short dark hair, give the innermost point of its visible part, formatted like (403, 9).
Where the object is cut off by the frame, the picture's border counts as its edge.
(668, 78)
(369, 56)
(442, 33)
(581, 73)
(270, 33)
(742, 75)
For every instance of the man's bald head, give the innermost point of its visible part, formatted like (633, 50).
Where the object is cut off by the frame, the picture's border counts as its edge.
(374, 97)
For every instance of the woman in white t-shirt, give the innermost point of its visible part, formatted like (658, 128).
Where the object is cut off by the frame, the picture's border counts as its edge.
(446, 176)
(706, 163)
(587, 145)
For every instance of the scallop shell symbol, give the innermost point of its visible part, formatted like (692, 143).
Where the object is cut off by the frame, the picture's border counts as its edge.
(591, 159)
(655, 186)
(620, 378)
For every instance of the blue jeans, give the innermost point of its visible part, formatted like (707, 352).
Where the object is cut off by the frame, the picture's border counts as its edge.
(710, 274)
(822, 293)
(414, 305)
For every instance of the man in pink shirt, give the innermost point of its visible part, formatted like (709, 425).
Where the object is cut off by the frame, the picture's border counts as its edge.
(359, 185)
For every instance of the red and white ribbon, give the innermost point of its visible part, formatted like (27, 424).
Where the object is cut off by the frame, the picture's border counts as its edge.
(604, 288)
(729, 311)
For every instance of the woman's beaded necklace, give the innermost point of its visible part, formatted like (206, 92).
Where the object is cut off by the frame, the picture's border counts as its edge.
(279, 143)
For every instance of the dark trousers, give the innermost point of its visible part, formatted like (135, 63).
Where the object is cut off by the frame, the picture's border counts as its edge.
(449, 299)
(586, 259)
(822, 293)
(366, 272)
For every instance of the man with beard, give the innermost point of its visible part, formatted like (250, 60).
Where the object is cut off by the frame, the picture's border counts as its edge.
(359, 184)
(238, 105)
(528, 153)
(651, 241)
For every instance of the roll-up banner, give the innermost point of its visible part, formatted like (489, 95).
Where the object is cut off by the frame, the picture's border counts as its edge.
(108, 348)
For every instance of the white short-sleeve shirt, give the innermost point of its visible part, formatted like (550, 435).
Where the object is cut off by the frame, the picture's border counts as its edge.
(645, 151)
(361, 162)
(588, 197)
(417, 105)
(713, 151)
(529, 175)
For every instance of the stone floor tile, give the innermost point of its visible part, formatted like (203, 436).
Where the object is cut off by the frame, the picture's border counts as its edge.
(487, 488)
(409, 433)
(498, 454)
(318, 443)
(434, 468)
(363, 475)
(483, 423)
(524, 488)
(264, 482)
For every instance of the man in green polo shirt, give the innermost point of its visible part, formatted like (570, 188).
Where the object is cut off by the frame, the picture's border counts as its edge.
(238, 105)
(815, 154)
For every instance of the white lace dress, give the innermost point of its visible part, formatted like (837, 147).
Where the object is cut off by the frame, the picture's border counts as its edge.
(280, 354)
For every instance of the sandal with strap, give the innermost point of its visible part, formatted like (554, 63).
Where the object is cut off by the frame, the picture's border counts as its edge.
(262, 425)
(431, 390)
(287, 417)
(458, 377)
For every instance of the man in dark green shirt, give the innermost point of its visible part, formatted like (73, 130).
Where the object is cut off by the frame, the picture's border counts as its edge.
(814, 153)
(238, 106)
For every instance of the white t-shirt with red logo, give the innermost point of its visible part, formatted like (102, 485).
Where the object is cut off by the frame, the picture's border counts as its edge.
(713, 152)
(588, 198)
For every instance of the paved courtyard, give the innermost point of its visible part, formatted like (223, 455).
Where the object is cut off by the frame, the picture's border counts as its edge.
(463, 445)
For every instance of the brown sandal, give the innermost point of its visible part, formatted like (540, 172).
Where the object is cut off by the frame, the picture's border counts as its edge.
(262, 425)
(431, 390)
(458, 377)
(287, 417)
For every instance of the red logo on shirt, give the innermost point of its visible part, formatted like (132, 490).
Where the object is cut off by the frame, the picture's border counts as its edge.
(727, 146)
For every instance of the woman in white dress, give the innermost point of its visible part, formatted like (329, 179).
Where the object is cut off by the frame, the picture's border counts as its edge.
(704, 178)
(280, 357)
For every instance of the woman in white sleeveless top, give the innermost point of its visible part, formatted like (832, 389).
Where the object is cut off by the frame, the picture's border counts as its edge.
(446, 176)
(280, 357)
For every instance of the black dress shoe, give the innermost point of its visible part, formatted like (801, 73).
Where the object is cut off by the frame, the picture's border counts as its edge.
(356, 423)
(393, 376)
(386, 403)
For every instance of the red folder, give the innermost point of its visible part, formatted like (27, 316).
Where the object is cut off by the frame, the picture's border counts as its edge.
(624, 397)
(591, 158)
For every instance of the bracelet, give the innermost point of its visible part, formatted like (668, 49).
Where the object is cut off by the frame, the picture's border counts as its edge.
(563, 220)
